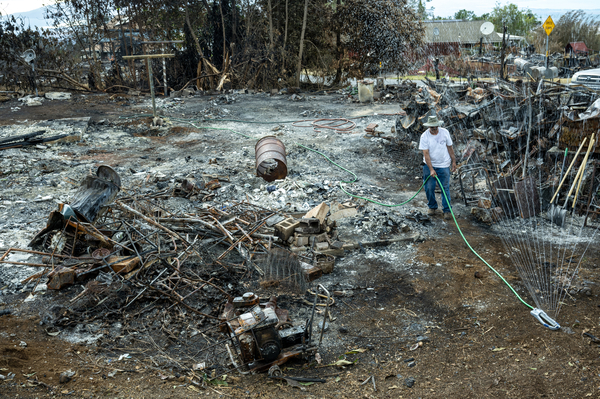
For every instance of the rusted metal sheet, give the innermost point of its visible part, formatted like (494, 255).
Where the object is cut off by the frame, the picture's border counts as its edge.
(271, 163)
(528, 200)
(60, 277)
(573, 133)
(213, 184)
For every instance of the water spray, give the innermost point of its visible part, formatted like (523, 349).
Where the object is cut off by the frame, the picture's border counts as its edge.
(537, 312)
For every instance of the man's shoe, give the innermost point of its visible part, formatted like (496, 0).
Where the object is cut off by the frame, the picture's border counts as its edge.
(447, 216)
(431, 212)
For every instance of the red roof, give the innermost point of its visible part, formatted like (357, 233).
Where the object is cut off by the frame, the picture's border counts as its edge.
(577, 47)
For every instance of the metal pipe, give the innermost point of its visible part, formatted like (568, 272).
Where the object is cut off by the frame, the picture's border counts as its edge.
(151, 81)
(164, 62)
(326, 312)
(312, 318)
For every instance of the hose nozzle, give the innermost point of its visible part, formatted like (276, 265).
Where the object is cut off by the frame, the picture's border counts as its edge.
(543, 318)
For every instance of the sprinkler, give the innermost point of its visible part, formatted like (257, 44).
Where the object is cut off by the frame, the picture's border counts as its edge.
(543, 318)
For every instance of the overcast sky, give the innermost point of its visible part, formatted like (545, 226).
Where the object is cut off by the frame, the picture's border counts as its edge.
(13, 6)
(443, 8)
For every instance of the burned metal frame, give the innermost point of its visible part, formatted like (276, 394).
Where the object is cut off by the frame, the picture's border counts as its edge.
(473, 170)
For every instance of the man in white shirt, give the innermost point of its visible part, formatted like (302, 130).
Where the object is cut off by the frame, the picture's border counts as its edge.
(438, 160)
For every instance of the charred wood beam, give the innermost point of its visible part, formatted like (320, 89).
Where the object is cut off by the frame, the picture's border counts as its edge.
(22, 137)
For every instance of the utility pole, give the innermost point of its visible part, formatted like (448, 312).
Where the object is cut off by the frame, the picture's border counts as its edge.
(502, 51)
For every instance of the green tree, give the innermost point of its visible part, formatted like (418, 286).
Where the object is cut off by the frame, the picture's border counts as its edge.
(576, 26)
(469, 15)
(518, 22)
(420, 8)
(464, 14)
(421, 11)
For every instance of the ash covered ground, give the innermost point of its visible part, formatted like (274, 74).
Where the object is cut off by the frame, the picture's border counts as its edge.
(427, 317)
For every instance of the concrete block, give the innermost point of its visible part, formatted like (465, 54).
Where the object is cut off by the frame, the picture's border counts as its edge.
(320, 246)
(301, 240)
(309, 226)
(286, 228)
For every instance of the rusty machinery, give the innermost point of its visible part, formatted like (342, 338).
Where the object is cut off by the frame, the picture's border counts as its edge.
(260, 335)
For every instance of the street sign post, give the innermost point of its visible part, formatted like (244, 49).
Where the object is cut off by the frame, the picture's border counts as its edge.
(548, 26)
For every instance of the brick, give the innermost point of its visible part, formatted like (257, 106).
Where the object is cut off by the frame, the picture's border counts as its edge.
(371, 127)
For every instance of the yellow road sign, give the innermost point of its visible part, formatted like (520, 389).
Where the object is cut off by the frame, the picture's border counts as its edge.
(549, 25)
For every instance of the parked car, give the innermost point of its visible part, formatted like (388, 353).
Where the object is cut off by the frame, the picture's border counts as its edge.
(589, 78)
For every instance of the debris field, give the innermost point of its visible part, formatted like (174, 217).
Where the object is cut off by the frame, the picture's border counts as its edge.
(215, 251)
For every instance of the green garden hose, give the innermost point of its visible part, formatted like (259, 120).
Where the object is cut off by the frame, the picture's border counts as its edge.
(411, 198)
(191, 122)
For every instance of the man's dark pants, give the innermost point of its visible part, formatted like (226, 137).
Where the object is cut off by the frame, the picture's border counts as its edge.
(444, 175)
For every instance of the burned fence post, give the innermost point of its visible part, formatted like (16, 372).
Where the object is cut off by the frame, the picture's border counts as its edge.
(148, 58)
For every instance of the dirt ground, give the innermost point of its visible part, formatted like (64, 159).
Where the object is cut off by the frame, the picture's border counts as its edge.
(477, 339)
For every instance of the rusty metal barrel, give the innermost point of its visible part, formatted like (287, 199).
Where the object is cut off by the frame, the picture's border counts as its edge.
(271, 163)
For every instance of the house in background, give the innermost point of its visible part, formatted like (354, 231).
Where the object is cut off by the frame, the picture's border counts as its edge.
(576, 55)
(575, 49)
(446, 37)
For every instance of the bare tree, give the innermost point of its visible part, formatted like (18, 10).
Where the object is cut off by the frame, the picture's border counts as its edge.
(299, 67)
(270, 11)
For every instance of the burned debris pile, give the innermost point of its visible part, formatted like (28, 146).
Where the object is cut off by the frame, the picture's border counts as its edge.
(138, 273)
(508, 131)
